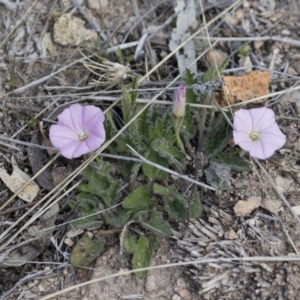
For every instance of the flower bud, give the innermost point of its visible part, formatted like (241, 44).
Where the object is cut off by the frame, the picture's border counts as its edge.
(179, 103)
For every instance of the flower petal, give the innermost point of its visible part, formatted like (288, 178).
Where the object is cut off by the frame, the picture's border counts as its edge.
(81, 149)
(242, 121)
(74, 120)
(69, 150)
(72, 117)
(60, 135)
(262, 118)
(261, 151)
(273, 137)
(92, 115)
(96, 125)
(241, 136)
(94, 143)
(97, 131)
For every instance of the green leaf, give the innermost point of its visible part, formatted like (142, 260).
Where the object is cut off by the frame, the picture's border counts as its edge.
(173, 155)
(140, 197)
(244, 50)
(234, 162)
(162, 126)
(157, 225)
(86, 204)
(189, 128)
(176, 207)
(129, 100)
(190, 79)
(154, 173)
(122, 142)
(130, 243)
(196, 207)
(101, 183)
(86, 251)
(143, 254)
(216, 143)
(142, 124)
(213, 73)
(134, 173)
(120, 219)
(161, 190)
(120, 56)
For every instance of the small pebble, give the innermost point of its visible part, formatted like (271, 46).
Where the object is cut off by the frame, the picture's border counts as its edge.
(150, 284)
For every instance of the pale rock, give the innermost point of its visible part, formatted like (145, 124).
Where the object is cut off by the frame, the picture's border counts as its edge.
(276, 16)
(69, 242)
(244, 208)
(292, 71)
(181, 283)
(239, 14)
(272, 205)
(47, 43)
(296, 209)
(240, 183)
(231, 235)
(215, 56)
(150, 284)
(41, 288)
(246, 63)
(98, 4)
(73, 233)
(283, 184)
(70, 31)
(231, 20)
(184, 293)
(90, 234)
(269, 5)
(285, 32)
(258, 44)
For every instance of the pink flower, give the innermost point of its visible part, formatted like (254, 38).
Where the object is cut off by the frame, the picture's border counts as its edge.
(79, 130)
(256, 131)
(179, 103)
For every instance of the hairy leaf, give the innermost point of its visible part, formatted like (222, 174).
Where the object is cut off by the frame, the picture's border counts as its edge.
(190, 79)
(130, 243)
(129, 100)
(162, 126)
(213, 73)
(152, 172)
(176, 207)
(140, 197)
(120, 219)
(196, 206)
(143, 254)
(86, 251)
(102, 184)
(189, 127)
(165, 149)
(86, 204)
(161, 190)
(216, 143)
(234, 162)
(157, 225)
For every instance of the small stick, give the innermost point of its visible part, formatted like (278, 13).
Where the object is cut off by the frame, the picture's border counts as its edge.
(16, 208)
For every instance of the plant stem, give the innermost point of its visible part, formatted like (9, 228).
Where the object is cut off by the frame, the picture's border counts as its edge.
(177, 125)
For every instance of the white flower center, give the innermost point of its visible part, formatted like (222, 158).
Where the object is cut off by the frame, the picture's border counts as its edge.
(254, 136)
(82, 136)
